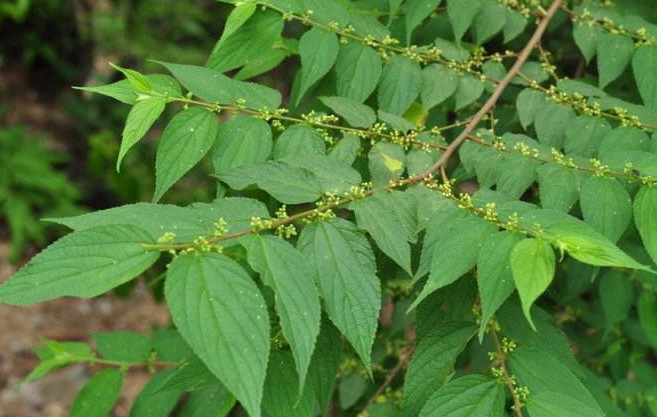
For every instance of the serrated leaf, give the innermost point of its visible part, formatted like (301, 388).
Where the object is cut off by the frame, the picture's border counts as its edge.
(528, 103)
(516, 23)
(647, 307)
(374, 215)
(532, 266)
(416, 12)
(319, 50)
(586, 39)
(170, 346)
(555, 404)
(192, 375)
(518, 175)
(432, 362)
(489, 21)
(219, 311)
(623, 140)
(494, 276)
(282, 396)
(245, 37)
(346, 150)
(242, 141)
(395, 122)
(386, 162)
(400, 84)
(559, 187)
(358, 69)
(462, 14)
(154, 402)
(438, 84)
(471, 395)
(616, 293)
(122, 346)
(606, 206)
(82, 264)
(645, 218)
(286, 183)
(332, 175)
(98, 396)
(187, 223)
(138, 80)
(184, 142)
(261, 64)
(140, 119)
(325, 364)
(351, 389)
(355, 113)
(584, 135)
(214, 87)
(346, 272)
(468, 91)
(550, 123)
(614, 54)
(455, 252)
(645, 59)
(297, 300)
(213, 401)
(299, 140)
(126, 93)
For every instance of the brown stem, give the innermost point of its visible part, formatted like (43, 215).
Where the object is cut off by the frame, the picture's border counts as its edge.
(501, 86)
(404, 358)
(507, 376)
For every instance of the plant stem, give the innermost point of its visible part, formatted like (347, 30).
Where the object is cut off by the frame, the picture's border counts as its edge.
(517, 405)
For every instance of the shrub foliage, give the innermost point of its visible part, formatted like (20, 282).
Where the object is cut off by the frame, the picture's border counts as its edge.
(379, 245)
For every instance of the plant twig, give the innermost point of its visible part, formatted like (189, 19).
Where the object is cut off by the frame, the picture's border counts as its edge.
(404, 358)
(501, 86)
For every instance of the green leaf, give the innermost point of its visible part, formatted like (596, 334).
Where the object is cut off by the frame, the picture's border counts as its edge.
(139, 121)
(356, 114)
(242, 141)
(283, 268)
(351, 389)
(438, 84)
(469, 90)
(645, 59)
(584, 135)
(489, 21)
(98, 396)
(471, 395)
(192, 375)
(138, 80)
(219, 311)
(319, 50)
(213, 401)
(346, 150)
(325, 364)
(551, 121)
(555, 404)
(616, 296)
(433, 362)
(400, 84)
(416, 12)
(187, 223)
(214, 87)
(154, 402)
(299, 140)
(374, 215)
(462, 14)
(516, 23)
(645, 218)
(184, 142)
(170, 346)
(126, 93)
(332, 175)
(386, 162)
(647, 308)
(82, 264)
(346, 272)
(559, 187)
(517, 176)
(589, 247)
(286, 183)
(455, 252)
(245, 37)
(532, 266)
(357, 69)
(606, 206)
(395, 122)
(614, 54)
(622, 140)
(537, 368)
(586, 39)
(261, 64)
(528, 103)
(283, 397)
(494, 276)
(122, 346)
